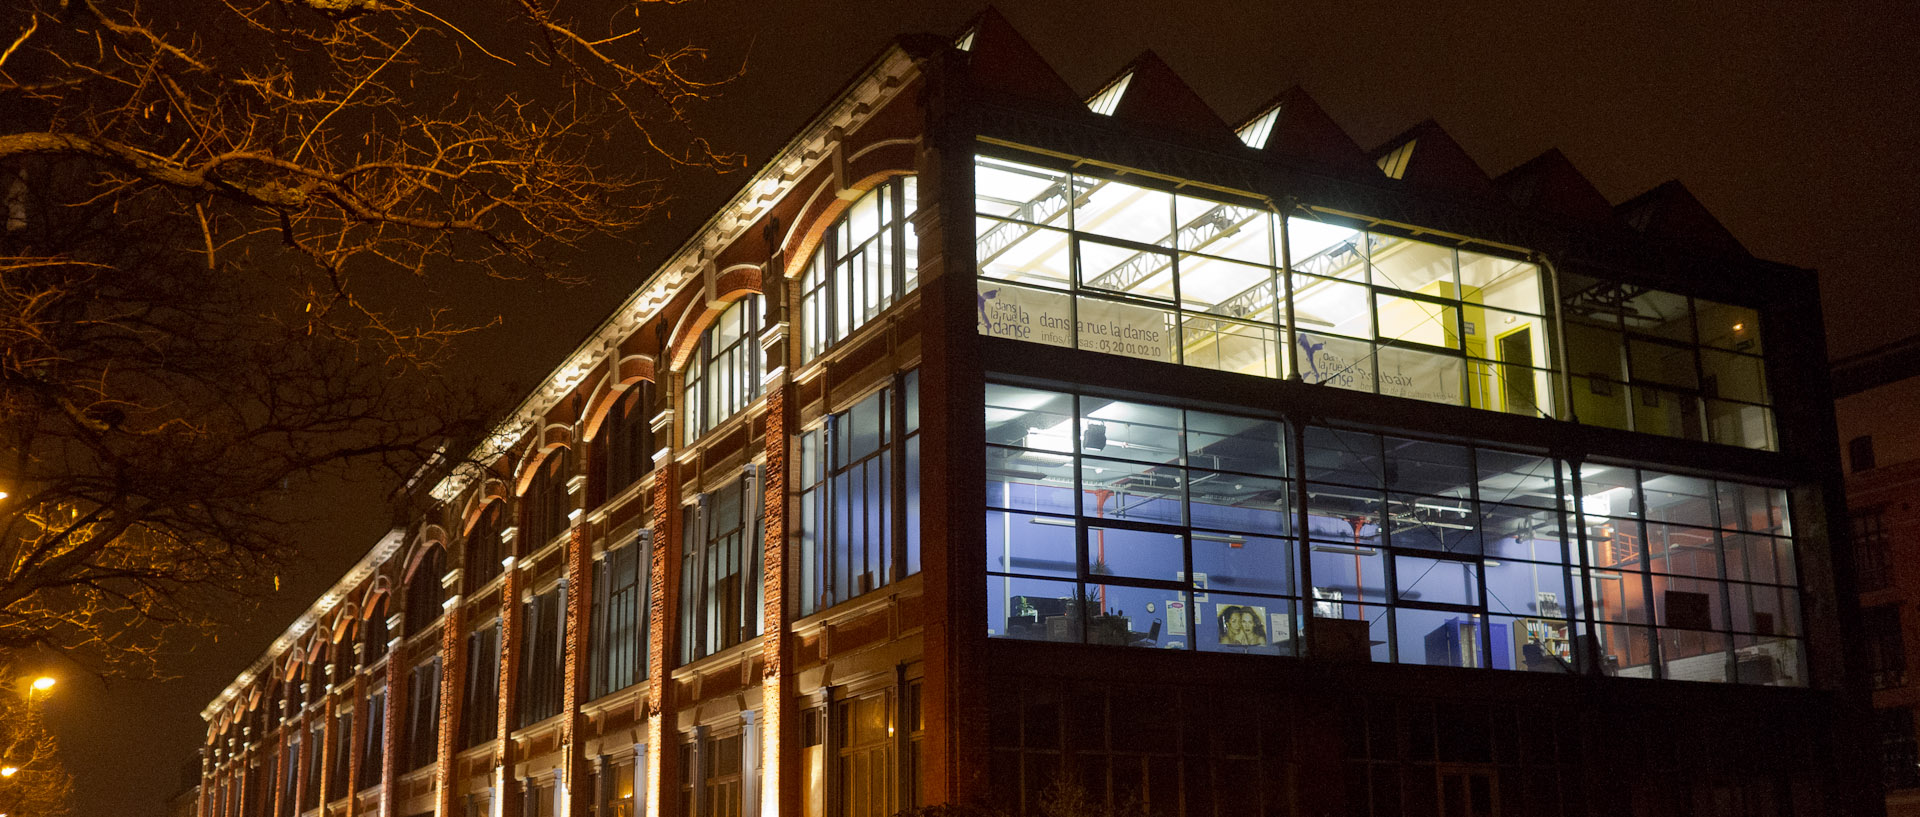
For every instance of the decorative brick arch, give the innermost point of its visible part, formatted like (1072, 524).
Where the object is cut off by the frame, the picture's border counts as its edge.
(346, 623)
(430, 537)
(628, 371)
(553, 436)
(807, 235)
(491, 490)
(694, 322)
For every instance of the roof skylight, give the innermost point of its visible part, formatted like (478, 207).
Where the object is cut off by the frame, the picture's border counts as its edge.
(1105, 102)
(1255, 133)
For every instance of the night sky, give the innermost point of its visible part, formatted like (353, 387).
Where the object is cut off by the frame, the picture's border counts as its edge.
(1794, 123)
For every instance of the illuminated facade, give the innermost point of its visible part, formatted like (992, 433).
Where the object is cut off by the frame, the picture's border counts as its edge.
(994, 440)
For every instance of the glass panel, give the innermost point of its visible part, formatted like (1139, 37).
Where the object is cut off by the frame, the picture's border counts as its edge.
(1134, 554)
(1417, 321)
(1616, 596)
(1224, 230)
(1595, 347)
(1725, 326)
(1689, 603)
(1125, 270)
(1436, 581)
(1424, 467)
(1031, 544)
(1614, 543)
(1443, 524)
(1240, 503)
(1240, 444)
(1033, 609)
(1246, 624)
(1231, 346)
(1677, 499)
(1753, 508)
(1536, 644)
(1139, 616)
(1772, 661)
(1420, 375)
(1740, 424)
(1346, 457)
(1030, 418)
(1236, 563)
(1660, 314)
(1337, 362)
(1734, 377)
(1029, 480)
(1133, 431)
(1683, 551)
(1349, 572)
(1023, 253)
(1693, 656)
(1326, 249)
(1624, 650)
(1126, 329)
(1126, 211)
(1413, 266)
(1112, 489)
(1526, 588)
(1500, 282)
(1443, 639)
(1654, 362)
(1017, 191)
(1666, 413)
(1513, 532)
(1600, 403)
(1519, 479)
(1330, 305)
(1227, 288)
(1020, 313)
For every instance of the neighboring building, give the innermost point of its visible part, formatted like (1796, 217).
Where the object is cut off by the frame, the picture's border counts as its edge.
(992, 437)
(1877, 392)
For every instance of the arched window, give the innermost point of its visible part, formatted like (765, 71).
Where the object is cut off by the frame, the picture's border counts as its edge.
(484, 553)
(626, 439)
(866, 262)
(546, 499)
(376, 645)
(423, 590)
(723, 375)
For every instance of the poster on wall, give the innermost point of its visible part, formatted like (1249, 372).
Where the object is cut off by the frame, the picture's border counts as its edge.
(1242, 625)
(1043, 316)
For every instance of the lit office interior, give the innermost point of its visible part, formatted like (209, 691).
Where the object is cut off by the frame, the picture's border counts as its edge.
(1132, 524)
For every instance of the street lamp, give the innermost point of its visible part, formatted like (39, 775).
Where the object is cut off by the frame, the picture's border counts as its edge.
(9, 771)
(43, 683)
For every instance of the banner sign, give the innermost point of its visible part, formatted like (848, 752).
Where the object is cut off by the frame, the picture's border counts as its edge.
(1354, 364)
(1042, 316)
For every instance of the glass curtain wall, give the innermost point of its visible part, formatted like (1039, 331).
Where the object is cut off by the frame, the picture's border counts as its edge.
(1663, 363)
(1089, 261)
(1130, 524)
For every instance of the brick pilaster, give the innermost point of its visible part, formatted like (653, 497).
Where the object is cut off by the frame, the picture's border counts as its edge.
(397, 704)
(665, 530)
(453, 679)
(574, 690)
(509, 686)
